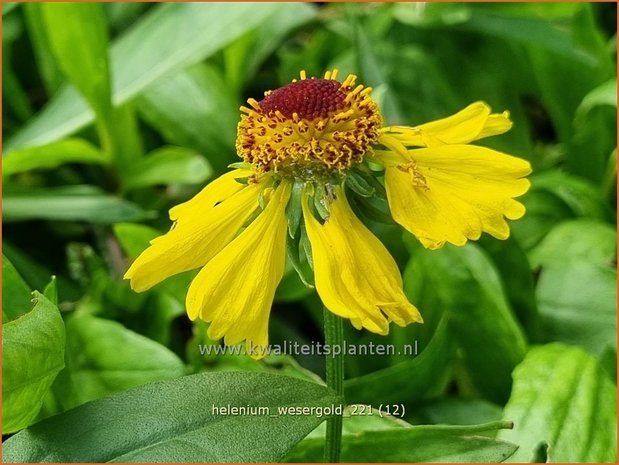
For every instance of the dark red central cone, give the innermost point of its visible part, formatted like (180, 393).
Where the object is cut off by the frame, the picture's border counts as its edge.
(309, 98)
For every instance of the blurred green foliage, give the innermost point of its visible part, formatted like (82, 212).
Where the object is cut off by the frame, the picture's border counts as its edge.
(114, 112)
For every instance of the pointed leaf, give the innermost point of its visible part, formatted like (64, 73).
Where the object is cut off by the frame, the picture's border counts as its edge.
(562, 396)
(32, 356)
(179, 421)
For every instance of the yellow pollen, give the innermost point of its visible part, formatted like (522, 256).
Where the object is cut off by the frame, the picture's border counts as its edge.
(417, 179)
(309, 125)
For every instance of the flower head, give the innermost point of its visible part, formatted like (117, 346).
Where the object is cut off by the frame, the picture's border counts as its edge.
(309, 125)
(311, 150)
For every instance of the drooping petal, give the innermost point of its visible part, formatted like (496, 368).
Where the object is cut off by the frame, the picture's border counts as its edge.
(203, 228)
(472, 123)
(355, 275)
(455, 192)
(215, 192)
(235, 290)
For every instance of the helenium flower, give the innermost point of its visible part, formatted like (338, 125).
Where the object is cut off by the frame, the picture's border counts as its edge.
(305, 148)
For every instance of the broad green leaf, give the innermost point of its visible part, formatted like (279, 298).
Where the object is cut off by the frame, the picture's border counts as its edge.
(563, 397)
(16, 294)
(590, 240)
(440, 443)
(94, 368)
(32, 355)
(78, 203)
(178, 421)
(168, 165)
(577, 287)
(199, 30)
(578, 304)
(405, 382)
(489, 339)
(51, 156)
(194, 109)
(78, 38)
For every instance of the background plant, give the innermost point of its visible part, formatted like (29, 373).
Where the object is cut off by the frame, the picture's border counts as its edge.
(113, 113)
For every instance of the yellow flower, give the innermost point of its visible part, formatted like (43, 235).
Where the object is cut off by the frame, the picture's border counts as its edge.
(309, 149)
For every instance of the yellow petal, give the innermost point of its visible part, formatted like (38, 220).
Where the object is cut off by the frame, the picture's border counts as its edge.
(355, 275)
(201, 231)
(472, 123)
(455, 192)
(214, 192)
(235, 290)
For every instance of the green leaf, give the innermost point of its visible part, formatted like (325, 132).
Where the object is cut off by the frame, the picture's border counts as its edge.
(370, 69)
(94, 368)
(577, 302)
(605, 94)
(16, 98)
(16, 295)
(78, 203)
(458, 444)
(586, 239)
(32, 356)
(168, 165)
(134, 238)
(7, 7)
(577, 287)
(556, 196)
(460, 411)
(175, 421)
(513, 265)
(489, 339)
(245, 55)
(78, 38)
(551, 36)
(199, 30)
(405, 382)
(194, 109)
(562, 396)
(595, 122)
(46, 63)
(36, 274)
(51, 291)
(580, 195)
(51, 156)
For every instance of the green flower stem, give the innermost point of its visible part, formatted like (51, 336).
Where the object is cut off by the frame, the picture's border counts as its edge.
(334, 336)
